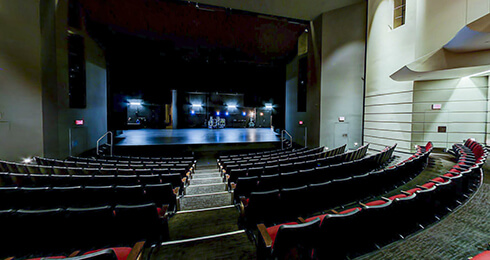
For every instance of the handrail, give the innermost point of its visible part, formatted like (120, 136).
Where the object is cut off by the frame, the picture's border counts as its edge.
(282, 138)
(102, 137)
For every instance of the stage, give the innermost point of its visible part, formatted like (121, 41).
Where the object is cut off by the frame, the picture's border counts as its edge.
(195, 140)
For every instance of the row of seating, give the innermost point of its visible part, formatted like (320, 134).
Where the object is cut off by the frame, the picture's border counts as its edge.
(53, 180)
(314, 153)
(288, 203)
(361, 228)
(266, 152)
(245, 181)
(111, 253)
(131, 158)
(232, 172)
(318, 153)
(28, 233)
(111, 164)
(57, 170)
(36, 198)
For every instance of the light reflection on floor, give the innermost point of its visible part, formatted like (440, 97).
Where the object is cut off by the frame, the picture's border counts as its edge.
(197, 136)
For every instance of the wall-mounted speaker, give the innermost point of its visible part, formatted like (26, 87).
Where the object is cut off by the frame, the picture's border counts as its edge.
(76, 72)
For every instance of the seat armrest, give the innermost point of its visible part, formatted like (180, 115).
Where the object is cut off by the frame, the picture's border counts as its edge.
(334, 211)
(263, 232)
(75, 253)
(406, 193)
(362, 204)
(136, 250)
(301, 220)
(163, 213)
(176, 190)
(422, 187)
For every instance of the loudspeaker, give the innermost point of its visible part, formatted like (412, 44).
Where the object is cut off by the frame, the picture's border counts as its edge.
(76, 72)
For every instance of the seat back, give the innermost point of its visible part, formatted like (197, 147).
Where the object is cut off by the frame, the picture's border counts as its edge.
(295, 241)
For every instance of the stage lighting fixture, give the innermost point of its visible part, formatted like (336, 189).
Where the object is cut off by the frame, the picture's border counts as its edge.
(261, 114)
(217, 113)
(268, 106)
(135, 103)
(244, 113)
(193, 112)
(252, 114)
(196, 105)
(232, 106)
(226, 113)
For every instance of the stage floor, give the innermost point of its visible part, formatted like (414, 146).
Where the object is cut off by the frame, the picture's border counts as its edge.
(196, 136)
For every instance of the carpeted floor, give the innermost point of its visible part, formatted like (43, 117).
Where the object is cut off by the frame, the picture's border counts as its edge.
(462, 234)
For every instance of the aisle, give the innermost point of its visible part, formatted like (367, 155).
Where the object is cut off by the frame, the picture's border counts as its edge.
(206, 227)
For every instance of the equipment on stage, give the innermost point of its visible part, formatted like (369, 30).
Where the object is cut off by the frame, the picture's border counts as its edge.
(217, 122)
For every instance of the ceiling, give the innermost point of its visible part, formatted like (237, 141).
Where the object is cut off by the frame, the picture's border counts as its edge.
(297, 9)
(251, 37)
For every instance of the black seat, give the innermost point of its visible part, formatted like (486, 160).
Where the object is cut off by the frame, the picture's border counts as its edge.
(269, 182)
(255, 171)
(290, 179)
(130, 195)
(338, 233)
(96, 196)
(294, 202)
(162, 194)
(262, 207)
(139, 222)
(149, 179)
(244, 186)
(271, 169)
(320, 196)
(64, 197)
(35, 198)
(93, 226)
(293, 241)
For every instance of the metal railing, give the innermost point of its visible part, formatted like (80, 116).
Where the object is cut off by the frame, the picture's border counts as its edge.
(283, 137)
(109, 144)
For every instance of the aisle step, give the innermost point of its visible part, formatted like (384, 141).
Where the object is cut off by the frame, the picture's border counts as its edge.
(208, 200)
(213, 180)
(206, 175)
(205, 188)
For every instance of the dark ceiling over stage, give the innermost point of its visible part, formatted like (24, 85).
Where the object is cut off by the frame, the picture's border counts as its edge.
(229, 35)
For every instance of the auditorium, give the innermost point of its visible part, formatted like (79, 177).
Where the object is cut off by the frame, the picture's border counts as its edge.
(228, 129)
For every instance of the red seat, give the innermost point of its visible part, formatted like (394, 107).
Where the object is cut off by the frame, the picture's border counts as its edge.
(273, 230)
(429, 185)
(397, 196)
(412, 191)
(439, 179)
(485, 255)
(121, 252)
(376, 203)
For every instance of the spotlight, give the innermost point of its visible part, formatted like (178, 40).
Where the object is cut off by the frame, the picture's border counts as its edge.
(261, 114)
(252, 114)
(244, 113)
(196, 105)
(135, 103)
(193, 112)
(217, 113)
(232, 106)
(269, 106)
(226, 113)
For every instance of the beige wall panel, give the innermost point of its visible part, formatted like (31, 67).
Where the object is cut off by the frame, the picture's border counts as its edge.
(476, 9)
(457, 106)
(387, 133)
(388, 126)
(389, 117)
(389, 99)
(437, 23)
(399, 108)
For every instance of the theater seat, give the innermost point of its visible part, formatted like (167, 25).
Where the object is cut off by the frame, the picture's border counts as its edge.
(290, 240)
(485, 255)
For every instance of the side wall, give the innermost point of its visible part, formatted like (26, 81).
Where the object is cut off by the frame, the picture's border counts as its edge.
(21, 133)
(393, 109)
(73, 139)
(342, 78)
(311, 117)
